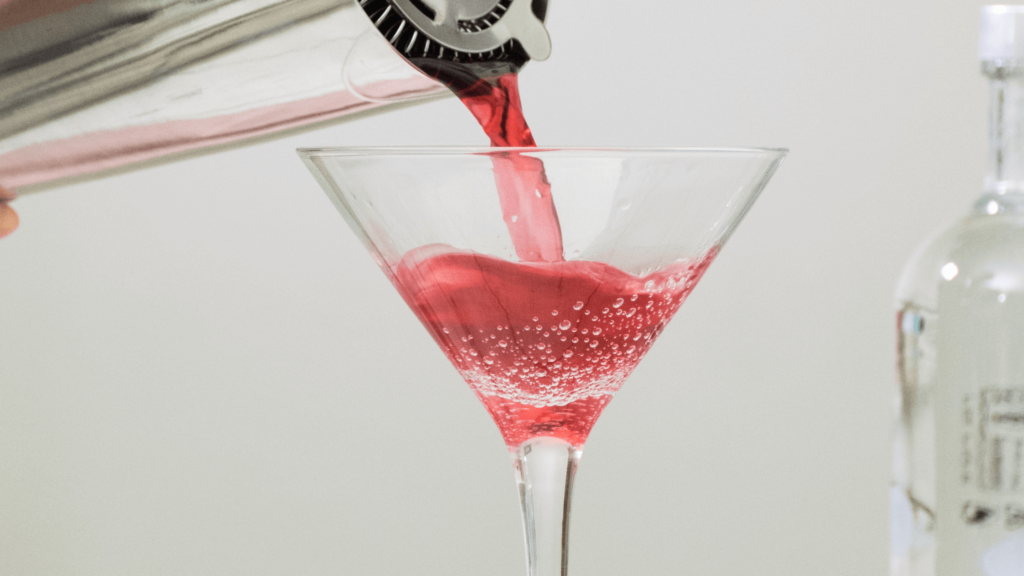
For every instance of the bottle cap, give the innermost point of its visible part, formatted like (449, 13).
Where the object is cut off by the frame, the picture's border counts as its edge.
(1002, 33)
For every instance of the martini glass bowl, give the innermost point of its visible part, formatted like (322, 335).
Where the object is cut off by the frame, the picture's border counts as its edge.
(544, 275)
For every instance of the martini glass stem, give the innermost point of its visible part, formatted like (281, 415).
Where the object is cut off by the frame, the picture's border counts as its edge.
(545, 469)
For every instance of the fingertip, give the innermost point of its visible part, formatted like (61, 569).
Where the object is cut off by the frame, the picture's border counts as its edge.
(8, 219)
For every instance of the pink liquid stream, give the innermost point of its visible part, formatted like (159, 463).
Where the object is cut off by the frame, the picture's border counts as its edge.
(523, 188)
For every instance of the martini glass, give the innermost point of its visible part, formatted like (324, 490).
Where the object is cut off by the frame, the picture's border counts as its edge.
(546, 342)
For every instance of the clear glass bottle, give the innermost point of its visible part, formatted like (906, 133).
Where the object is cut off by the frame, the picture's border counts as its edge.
(958, 493)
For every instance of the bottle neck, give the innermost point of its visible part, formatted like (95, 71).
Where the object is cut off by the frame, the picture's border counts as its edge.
(1006, 128)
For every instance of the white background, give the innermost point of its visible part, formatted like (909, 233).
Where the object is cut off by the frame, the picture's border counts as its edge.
(202, 372)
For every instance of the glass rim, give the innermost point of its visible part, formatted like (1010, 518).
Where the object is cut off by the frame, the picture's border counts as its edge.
(382, 151)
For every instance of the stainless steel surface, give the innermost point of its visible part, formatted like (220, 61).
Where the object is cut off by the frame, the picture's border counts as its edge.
(88, 86)
(61, 62)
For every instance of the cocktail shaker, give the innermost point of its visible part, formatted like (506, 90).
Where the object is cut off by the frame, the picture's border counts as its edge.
(87, 86)
(90, 85)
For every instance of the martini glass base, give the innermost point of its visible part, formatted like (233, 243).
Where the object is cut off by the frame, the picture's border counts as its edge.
(545, 469)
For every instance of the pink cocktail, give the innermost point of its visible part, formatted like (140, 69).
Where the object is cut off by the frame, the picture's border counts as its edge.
(545, 276)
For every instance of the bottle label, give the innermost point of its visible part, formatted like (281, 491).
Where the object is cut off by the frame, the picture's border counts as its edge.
(998, 438)
(981, 526)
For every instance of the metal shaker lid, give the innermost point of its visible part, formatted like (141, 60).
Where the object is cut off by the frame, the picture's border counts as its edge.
(470, 31)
